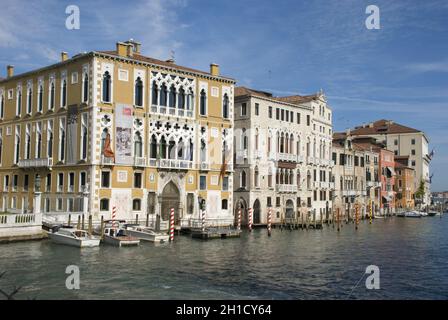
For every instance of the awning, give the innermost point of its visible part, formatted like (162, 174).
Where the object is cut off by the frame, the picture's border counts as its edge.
(391, 170)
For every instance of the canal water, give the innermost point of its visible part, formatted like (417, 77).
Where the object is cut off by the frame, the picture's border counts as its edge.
(412, 256)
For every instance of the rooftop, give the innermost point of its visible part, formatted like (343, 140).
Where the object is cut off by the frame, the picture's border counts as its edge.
(295, 99)
(382, 126)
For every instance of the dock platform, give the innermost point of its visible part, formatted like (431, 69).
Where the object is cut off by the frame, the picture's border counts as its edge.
(214, 233)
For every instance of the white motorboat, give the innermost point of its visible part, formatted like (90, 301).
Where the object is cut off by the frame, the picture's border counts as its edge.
(117, 237)
(413, 214)
(145, 233)
(74, 237)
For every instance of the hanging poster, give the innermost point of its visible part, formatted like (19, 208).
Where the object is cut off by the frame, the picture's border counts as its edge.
(123, 134)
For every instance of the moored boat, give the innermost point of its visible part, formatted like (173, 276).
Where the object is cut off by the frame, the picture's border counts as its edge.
(145, 233)
(117, 237)
(74, 237)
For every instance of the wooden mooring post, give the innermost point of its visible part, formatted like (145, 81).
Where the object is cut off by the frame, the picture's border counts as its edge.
(147, 219)
(78, 226)
(90, 224)
(69, 219)
(83, 222)
(337, 221)
(136, 218)
(102, 227)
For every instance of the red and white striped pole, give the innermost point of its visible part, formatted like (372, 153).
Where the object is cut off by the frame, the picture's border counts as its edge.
(269, 221)
(172, 224)
(203, 220)
(114, 216)
(239, 219)
(250, 219)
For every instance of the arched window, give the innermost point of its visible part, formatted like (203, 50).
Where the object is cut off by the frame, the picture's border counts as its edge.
(85, 88)
(256, 139)
(155, 94)
(256, 177)
(298, 179)
(203, 103)
(243, 179)
(163, 148)
(180, 149)
(138, 152)
(298, 146)
(136, 205)
(40, 99)
(27, 143)
(38, 140)
(84, 136)
(64, 93)
(190, 100)
(50, 139)
(139, 92)
(52, 96)
(203, 151)
(106, 86)
(62, 140)
(225, 106)
(163, 95)
(172, 149)
(19, 103)
(172, 97)
(153, 148)
(2, 106)
(29, 104)
(181, 99)
(291, 144)
(308, 180)
(17, 150)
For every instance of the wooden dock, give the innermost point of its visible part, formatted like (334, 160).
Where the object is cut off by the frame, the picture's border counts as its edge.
(214, 233)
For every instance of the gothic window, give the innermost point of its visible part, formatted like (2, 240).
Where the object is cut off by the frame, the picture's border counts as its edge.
(243, 179)
(52, 96)
(50, 139)
(62, 139)
(40, 98)
(29, 104)
(225, 106)
(84, 136)
(139, 92)
(64, 93)
(163, 95)
(85, 87)
(106, 87)
(19, 103)
(138, 152)
(203, 103)
(155, 93)
(153, 148)
(181, 99)
(172, 97)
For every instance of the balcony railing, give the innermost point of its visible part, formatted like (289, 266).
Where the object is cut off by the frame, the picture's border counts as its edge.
(286, 188)
(373, 184)
(286, 157)
(310, 160)
(316, 184)
(176, 112)
(331, 185)
(139, 162)
(203, 166)
(35, 163)
(348, 193)
(272, 156)
(258, 154)
(171, 163)
(300, 159)
(106, 160)
(242, 154)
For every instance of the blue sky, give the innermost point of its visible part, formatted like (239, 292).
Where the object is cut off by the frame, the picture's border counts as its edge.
(399, 72)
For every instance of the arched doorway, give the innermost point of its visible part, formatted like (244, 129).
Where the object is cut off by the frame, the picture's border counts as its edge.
(256, 211)
(289, 213)
(241, 203)
(170, 199)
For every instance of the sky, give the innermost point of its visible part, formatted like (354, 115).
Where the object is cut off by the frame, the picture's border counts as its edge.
(397, 72)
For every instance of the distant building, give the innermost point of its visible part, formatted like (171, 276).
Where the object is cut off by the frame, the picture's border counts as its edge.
(404, 184)
(282, 155)
(402, 141)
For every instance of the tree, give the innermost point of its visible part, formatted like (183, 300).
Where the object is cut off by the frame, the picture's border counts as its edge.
(420, 193)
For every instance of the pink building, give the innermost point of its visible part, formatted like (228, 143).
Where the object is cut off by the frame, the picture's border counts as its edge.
(387, 178)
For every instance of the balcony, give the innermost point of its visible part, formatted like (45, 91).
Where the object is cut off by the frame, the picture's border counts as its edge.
(241, 154)
(286, 188)
(204, 166)
(35, 163)
(300, 159)
(272, 156)
(348, 193)
(175, 112)
(287, 157)
(174, 164)
(331, 185)
(258, 154)
(107, 161)
(139, 162)
(324, 185)
(373, 184)
(311, 160)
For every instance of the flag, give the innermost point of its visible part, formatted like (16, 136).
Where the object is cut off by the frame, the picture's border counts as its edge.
(107, 150)
(431, 154)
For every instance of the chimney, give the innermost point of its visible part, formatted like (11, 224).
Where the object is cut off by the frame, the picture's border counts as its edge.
(135, 46)
(214, 69)
(122, 49)
(9, 71)
(64, 56)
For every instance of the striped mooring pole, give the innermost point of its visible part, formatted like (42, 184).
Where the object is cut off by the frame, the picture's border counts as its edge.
(269, 221)
(239, 219)
(114, 216)
(203, 220)
(370, 211)
(250, 219)
(172, 224)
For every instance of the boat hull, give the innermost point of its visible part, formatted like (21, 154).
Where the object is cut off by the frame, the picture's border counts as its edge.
(148, 237)
(79, 243)
(121, 241)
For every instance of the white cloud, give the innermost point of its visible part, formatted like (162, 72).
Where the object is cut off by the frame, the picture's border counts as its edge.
(436, 66)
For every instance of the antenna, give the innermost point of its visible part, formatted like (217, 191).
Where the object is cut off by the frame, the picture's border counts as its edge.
(172, 54)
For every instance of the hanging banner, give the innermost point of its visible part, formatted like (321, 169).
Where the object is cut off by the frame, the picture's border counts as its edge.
(72, 134)
(123, 134)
